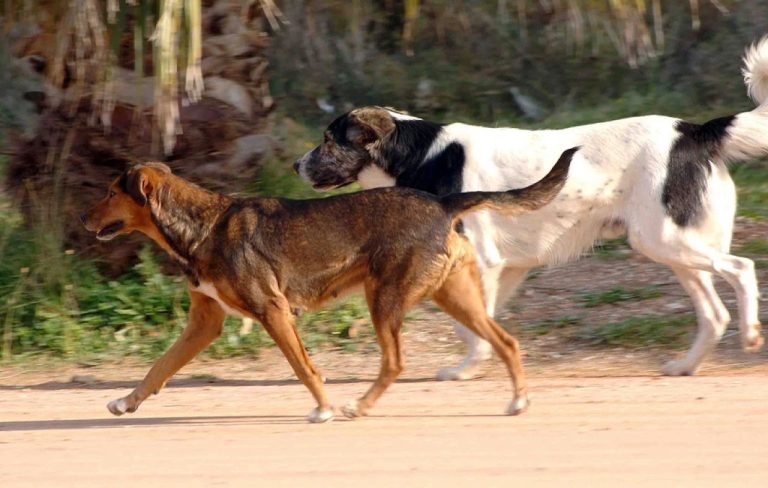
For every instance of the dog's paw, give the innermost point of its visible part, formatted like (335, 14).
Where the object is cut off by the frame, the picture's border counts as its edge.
(483, 355)
(755, 342)
(518, 405)
(318, 416)
(678, 367)
(118, 407)
(456, 374)
(352, 410)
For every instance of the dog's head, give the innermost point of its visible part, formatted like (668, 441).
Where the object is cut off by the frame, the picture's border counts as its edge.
(125, 208)
(348, 147)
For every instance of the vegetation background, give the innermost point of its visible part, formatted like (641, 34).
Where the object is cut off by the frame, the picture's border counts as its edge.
(229, 93)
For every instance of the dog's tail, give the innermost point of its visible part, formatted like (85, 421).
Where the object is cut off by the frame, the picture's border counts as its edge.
(755, 71)
(513, 202)
(747, 131)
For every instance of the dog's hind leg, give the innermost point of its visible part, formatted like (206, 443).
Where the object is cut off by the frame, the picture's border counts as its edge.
(387, 314)
(478, 349)
(280, 324)
(205, 322)
(499, 284)
(712, 317)
(462, 297)
(688, 254)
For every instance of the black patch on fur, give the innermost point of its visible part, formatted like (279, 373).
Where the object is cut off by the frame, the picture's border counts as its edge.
(403, 156)
(440, 175)
(689, 167)
(407, 145)
(339, 129)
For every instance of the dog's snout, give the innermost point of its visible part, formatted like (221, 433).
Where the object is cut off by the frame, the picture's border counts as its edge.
(296, 166)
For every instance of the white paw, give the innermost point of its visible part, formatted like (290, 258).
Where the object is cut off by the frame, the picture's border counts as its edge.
(483, 351)
(754, 341)
(317, 416)
(456, 374)
(518, 405)
(352, 410)
(118, 407)
(678, 367)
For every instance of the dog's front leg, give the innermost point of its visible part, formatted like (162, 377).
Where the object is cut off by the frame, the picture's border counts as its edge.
(280, 324)
(205, 322)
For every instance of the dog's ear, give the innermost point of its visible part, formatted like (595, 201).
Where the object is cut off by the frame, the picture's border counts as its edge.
(163, 168)
(369, 124)
(137, 183)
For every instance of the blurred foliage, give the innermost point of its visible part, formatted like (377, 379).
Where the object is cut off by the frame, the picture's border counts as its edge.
(491, 60)
(58, 304)
(757, 249)
(88, 35)
(752, 185)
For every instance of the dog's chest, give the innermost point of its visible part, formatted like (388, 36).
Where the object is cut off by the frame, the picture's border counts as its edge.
(207, 288)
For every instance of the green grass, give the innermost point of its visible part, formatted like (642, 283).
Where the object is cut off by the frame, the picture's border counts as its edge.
(331, 326)
(641, 332)
(752, 185)
(755, 246)
(549, 325)
(54, 303)
(619, 294)
(612, 249)
(82, 315)
(757, 249)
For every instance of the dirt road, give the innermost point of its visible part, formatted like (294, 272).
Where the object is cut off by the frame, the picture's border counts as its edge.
(584, 431)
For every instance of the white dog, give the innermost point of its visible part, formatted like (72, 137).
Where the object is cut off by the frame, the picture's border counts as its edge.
(660, 180)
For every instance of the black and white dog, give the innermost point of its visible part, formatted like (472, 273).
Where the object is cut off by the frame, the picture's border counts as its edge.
(660, 180)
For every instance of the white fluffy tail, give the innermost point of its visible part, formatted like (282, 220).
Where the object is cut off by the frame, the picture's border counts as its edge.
(748, 134)
(755, 71)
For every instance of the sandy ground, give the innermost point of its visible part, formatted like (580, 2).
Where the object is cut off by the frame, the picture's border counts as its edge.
(582, 430)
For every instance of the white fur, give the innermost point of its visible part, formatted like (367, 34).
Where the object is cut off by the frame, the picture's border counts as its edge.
(615, 184)
(756, 71)
(373, 176)
(207, 288)
(442, 141)
(401, 116)
(352, 410)
(118, 407)
(317, 416)
(518, 405)
(301, 166)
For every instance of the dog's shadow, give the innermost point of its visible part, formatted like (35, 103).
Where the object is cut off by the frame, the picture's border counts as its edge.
(107, 423)
(201, 421)
(187, 383)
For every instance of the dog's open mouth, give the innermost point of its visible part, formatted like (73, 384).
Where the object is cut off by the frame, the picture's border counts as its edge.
(110, 231)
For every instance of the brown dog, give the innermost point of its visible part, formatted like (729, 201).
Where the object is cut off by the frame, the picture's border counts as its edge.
(264, 257)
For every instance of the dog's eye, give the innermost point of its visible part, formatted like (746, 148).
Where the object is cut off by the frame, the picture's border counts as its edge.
(111, 194)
